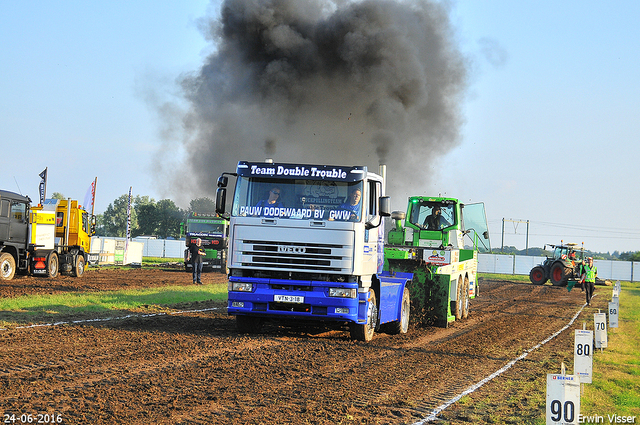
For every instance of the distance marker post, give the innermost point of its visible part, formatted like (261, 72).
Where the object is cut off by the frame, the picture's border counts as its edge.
(600, 326)
(614, 309)
(563, 398)
(583, 355)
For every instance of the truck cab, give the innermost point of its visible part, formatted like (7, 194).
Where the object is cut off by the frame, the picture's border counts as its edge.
(305, 242)
(14, 233)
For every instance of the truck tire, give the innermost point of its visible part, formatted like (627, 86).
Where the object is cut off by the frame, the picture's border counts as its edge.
(365, 332)
(402, 326)
(7, 266)
(53, 265)
(78, 267)
(558, 274)
(536, 276)
(248, 324)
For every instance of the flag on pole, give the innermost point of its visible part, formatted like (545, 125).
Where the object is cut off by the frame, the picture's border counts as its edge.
(126, 242)
(90, 197)
(43, 185)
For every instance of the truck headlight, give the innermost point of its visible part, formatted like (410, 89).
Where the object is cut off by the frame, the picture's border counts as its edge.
(343, 292)
(241, 286)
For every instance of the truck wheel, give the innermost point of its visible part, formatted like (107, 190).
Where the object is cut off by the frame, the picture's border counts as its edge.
(402, 326)
(52, 265)
(78, 267)
(558, 274)
(7, 266)
(465, 306)
(248, 324)
(365, 332)
(536, 276)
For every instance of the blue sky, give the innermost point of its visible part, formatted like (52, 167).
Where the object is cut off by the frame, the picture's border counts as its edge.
(549, 133)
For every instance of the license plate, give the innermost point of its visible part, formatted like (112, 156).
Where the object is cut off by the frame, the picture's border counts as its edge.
(288, 299)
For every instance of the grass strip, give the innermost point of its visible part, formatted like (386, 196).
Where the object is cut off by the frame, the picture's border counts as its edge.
(616, 369)
(31, 309)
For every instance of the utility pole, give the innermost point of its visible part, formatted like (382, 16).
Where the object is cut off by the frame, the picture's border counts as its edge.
(527, 237)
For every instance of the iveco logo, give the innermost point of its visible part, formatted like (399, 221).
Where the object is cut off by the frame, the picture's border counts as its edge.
(292, 249)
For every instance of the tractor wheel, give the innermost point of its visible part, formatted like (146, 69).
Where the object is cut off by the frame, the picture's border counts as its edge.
(401, 326)
(536, 275)
(7, 266)
(558, 274)
(365, 332)
(53, 265)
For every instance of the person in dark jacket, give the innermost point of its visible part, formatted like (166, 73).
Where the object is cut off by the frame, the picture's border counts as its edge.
(197, 252)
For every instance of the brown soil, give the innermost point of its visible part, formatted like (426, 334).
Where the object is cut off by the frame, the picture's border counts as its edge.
(194, 367)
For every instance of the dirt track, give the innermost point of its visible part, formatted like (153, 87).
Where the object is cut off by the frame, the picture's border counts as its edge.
(194, 367)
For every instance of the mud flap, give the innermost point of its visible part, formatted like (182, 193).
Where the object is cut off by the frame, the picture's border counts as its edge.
(429, 293)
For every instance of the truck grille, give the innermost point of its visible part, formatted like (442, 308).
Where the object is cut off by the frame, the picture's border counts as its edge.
(295, 256)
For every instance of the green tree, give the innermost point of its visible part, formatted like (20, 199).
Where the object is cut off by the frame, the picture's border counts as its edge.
(114, 219)
(202, 205)
(58, 195)
(169, 217)
(147, 220)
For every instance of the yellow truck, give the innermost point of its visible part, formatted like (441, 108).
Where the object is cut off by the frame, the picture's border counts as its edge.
(43, 240)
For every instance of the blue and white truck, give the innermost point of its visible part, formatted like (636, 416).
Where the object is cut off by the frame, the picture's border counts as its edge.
(306, 242)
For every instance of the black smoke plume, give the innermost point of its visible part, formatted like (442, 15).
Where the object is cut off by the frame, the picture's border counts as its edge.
(319, 81)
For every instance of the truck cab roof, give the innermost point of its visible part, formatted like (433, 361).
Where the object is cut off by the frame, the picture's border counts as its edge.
(5, 194)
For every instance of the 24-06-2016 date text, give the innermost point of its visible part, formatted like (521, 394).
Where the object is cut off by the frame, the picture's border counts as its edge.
(28, 418)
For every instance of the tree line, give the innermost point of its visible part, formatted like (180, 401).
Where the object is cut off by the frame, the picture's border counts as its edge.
(148, 217)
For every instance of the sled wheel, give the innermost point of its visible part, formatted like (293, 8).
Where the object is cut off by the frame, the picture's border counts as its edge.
(465, 307)
(459, 304)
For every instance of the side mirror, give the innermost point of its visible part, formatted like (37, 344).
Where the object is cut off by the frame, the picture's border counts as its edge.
(384, 205)
(221, 199)
(223, 181)
(485, 234)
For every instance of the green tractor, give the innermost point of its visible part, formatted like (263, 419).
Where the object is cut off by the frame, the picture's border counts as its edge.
(438, 240)
(561, 267)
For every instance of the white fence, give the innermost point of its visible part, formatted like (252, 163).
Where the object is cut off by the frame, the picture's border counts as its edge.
(165, 248)
(521, 264)
(487, 263)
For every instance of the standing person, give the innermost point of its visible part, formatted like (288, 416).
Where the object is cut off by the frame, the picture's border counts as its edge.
(589, 274)
(197, 252)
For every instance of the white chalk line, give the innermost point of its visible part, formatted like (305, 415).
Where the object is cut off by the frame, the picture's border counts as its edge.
(108, 319)
(435, 412)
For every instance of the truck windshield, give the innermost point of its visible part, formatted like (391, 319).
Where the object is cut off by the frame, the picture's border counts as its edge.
(432, 215)
(203, 226)
(298, 199)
